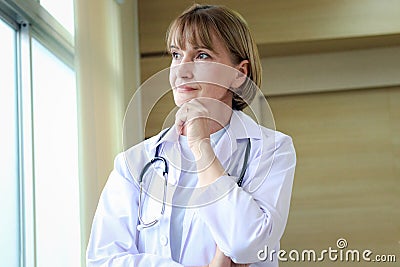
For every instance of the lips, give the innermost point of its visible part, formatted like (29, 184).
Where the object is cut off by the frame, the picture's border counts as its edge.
(185, 89)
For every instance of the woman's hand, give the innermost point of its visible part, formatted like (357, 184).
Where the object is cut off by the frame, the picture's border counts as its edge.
(197, 119)
(200, 117)
(220, 260)
(192, 120)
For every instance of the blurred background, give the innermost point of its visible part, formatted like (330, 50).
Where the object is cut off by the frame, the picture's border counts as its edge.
(69, 69)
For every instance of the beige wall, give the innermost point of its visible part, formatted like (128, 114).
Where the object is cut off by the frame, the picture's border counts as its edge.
(347, 182)
(107, 67)
(285, 27)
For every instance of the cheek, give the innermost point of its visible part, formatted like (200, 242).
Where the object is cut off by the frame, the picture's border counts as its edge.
(214, 91)
(216, 74)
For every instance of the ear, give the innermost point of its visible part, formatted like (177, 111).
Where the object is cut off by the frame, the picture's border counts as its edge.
(241, 74)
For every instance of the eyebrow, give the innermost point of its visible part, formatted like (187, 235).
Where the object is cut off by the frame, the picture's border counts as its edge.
(204, 47)
(195, 48)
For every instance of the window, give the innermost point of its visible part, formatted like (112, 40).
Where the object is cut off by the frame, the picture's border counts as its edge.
(55, 155)
(63, 11)
(39, 185)
(9, 174)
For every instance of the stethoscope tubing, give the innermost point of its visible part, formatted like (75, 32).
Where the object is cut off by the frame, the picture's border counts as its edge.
(156, 158)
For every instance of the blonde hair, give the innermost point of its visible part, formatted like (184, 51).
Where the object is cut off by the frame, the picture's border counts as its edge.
(196, 26)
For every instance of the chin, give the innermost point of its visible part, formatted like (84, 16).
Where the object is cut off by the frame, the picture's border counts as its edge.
(180, 100)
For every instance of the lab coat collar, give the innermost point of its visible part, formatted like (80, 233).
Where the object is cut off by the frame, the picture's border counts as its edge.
(171, 136)
(241, 126)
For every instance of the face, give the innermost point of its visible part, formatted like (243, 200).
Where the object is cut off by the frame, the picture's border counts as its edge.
(200, 72)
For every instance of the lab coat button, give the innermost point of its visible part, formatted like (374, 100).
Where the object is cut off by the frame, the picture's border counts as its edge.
(163, 240)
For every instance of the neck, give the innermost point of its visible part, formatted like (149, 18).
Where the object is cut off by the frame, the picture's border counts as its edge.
(220, 121)
(220, 112)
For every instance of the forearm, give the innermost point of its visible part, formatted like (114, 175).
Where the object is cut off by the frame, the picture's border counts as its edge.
(209, 168)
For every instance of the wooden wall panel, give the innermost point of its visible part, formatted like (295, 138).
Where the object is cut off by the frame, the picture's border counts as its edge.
(278, 23)
(395, 127)
(151, 65)
(160, 115)
(353, 69)
(348, 173)
(155, 69)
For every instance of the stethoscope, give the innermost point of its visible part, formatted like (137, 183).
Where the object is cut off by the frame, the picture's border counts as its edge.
(157, 158)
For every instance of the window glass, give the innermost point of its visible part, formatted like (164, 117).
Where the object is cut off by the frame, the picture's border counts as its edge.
(9, 183)
(61, 10)
(56, 160)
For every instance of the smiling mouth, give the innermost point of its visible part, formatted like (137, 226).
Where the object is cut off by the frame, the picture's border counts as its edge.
(185, 88)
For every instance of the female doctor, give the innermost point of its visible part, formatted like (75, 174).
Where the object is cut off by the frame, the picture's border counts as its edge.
(224, 190)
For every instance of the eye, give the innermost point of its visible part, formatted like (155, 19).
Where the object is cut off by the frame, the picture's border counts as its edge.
(175, 55)
(203, 56)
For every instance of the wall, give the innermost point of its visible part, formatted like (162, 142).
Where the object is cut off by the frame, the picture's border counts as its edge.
(347, 182)
(107, 67)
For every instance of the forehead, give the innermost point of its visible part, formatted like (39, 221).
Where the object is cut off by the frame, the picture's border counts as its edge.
(195, 31)
(193, 42)
(215, 45)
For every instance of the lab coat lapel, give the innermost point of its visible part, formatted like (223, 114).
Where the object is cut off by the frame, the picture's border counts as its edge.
(227, 145)
(173, 156)
(241, 126)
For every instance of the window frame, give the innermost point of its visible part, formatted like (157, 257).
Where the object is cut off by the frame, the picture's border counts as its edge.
(30, 20)
(44, 27)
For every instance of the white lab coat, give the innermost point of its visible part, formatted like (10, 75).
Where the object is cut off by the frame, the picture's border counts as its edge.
(240, 220)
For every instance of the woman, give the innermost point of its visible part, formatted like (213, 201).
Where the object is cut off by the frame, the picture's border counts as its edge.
(229, 180)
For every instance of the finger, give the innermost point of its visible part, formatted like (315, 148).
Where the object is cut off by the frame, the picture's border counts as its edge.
(186, 112)
(197, 104)
(180, 120)
(180, 123)
(194, 109)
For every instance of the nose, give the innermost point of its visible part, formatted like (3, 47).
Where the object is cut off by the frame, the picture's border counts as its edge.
(184, 69)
